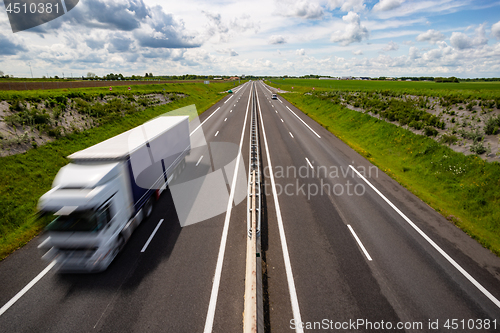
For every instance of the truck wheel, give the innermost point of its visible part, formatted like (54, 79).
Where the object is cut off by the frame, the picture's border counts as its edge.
(120, 243)
(148, 207)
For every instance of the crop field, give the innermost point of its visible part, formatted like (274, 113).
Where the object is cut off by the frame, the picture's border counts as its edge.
(40, 128)
(458, 184)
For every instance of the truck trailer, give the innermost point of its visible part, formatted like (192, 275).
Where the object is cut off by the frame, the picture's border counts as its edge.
(107, 190)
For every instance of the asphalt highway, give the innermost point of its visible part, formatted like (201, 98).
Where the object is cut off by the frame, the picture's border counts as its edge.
(345, 248)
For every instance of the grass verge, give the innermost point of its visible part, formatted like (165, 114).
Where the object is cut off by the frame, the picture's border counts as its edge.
(25, 177)
(462, 188)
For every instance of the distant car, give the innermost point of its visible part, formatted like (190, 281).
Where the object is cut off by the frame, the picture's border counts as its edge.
(274, 96)
(230, 91)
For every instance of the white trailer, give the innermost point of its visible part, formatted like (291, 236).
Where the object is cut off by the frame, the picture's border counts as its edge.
(107, 190)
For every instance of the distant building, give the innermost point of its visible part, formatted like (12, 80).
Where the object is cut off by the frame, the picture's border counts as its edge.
(346, 78)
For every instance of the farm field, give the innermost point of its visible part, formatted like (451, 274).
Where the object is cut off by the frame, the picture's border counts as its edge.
(41, 128)
(462, 187)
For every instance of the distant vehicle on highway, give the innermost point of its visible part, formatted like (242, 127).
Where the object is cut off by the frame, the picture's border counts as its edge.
(274, 96)
(108, 190)
(230, 91)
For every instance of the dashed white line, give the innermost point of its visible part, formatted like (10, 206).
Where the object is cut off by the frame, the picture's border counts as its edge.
(204, 121)
(359, 243)
(291, 134)
(280, 101)
(152, 235)
(282, 121)
(225, 119)
(228, 99)
(230, 111)
(303, 122)
(309, 163)
(26, 288)
(431, 242)
(286, 257)
(197, 163)
(216, 133)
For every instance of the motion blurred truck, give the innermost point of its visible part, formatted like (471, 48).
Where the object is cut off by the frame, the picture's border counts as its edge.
(107, 190)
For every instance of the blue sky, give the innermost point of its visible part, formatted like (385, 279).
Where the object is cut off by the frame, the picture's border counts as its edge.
(280, 37)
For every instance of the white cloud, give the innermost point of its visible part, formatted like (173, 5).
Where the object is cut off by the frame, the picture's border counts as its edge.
(277, 39)
(391, 46)
(347, 5)
(414, 53)
(385, 5)
(301, 8)
(353, 32)
(432, 36)
(300, 52)
(357, 52)
(461, 41)
(495, 30)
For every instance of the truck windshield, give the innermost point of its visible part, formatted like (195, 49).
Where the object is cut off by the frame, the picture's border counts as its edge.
(77, 221)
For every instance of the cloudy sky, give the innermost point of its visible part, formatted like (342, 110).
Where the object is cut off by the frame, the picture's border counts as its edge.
(260, 37)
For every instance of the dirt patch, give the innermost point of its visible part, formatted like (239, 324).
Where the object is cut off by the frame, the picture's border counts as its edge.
(20, 130)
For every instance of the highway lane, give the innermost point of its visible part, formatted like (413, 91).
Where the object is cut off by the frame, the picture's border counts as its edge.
(165, 288)
(407, 280)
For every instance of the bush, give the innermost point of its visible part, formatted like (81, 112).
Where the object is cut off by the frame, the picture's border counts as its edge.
(430, 131)
(478, 148)
(491, 125)
(449, 139)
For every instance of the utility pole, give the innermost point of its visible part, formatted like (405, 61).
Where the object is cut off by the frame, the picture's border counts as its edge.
(29, 63)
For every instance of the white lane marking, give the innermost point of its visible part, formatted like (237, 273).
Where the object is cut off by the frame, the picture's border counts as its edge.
(282, 120)
(204, 121)
(286, 257)
(291, 134)
(26, 288)
(230, 111)
(280, 101)
(209, 322)
(216, 133)
(276, 111)
(303, 122)
(197, 163)
(228, 99)
(152, 235)
(431, 242)
(272, 105)
(225, 119)
(359, 243)
(309, 163)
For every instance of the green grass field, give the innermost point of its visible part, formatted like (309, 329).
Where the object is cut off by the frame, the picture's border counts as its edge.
(462, 188)
(480, 89)
(25, 177)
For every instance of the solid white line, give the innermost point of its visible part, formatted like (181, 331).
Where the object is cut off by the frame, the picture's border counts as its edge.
(309, 163)
(220, 259)
(26, 288)
(291, 134)
(216, 133)
(228, 99)
(434, 245)
(225, 119)
(359, 243)
(303, 122)
(152, 235)
(204, 121)
(286, 257)
(199, 160)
